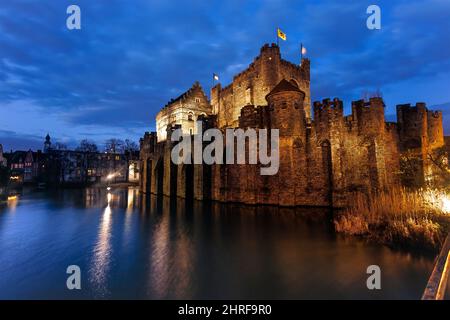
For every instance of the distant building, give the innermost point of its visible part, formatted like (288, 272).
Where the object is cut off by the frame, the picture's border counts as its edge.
(77, 167)
(56, 166)
(133, 170)
(47, 143)
(84, 167)
(25, 166)
(3, 161)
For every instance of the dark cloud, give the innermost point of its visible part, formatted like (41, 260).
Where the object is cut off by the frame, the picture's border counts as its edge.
(129, 59)
(12, 140)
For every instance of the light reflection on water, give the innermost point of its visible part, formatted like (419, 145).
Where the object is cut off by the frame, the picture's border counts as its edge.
(102, 253)
(129, 245)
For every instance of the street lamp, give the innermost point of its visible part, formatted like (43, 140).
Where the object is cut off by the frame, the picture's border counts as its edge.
(109, 178)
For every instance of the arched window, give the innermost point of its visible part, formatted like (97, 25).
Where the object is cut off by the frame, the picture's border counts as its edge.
(190, 116)
(248, 95)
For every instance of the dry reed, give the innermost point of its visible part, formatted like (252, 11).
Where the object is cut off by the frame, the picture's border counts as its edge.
(398, 217)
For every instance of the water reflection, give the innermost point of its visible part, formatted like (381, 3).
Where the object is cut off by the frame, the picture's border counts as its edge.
(92, 197)
(102, 252)
(159, 258)
(172, 253)
(131, 196)
(12, 203)
(140, 246)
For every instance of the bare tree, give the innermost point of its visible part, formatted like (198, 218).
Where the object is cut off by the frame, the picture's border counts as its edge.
(439, 159)
(89, 149)
(366, 94)
(410, 164)
(130, 146)
(114, 145)
(60, 146)
(87, 146)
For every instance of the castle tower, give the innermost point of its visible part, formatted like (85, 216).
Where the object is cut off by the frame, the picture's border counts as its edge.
(420, 133)
(369, 116)
(286, 103)
(252, 85)
(270, 58)
(287, 114)
(47, 143)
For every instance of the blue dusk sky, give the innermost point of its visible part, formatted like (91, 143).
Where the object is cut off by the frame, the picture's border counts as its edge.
(110, 78)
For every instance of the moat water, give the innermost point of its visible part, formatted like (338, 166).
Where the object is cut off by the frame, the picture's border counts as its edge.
(131, 247)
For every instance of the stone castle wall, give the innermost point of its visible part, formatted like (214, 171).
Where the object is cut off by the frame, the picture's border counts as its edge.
(323, 160)
(251, 86)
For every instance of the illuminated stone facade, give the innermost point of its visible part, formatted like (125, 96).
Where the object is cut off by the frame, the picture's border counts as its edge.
(183, 111)
(325, 156)
(251, 86)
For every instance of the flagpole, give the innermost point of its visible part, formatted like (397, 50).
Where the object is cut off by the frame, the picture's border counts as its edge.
(278, 38)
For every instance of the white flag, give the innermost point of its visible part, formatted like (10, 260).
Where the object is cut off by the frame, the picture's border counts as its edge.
(303, 50)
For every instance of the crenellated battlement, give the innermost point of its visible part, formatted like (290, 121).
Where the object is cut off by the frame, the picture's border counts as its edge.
(322, 158)
(251, 85)
(368, 116)
(435, 130)
(435, 114)
(267, 50)
(391, 126)
(253, 117)
(328, 109)
(412, 120)
(303, 70)
(408, 110)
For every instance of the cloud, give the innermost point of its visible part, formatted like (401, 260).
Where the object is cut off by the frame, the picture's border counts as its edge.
(127, 61)
(12, 140)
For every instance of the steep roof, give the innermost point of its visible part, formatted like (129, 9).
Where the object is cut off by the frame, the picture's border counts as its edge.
(195, 86)
(284, 86)
(17, 156)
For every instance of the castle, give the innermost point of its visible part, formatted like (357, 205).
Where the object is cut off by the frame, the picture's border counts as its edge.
(324, 155)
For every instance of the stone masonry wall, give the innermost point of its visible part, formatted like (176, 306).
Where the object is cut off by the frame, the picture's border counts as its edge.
(323, 160)
(251, 86)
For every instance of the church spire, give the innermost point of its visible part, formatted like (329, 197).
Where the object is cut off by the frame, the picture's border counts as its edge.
(47, 143)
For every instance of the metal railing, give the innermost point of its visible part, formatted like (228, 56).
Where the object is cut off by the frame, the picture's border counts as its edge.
(437, 284)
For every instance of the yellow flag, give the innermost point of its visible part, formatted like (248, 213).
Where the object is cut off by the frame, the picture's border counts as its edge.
(281, 34)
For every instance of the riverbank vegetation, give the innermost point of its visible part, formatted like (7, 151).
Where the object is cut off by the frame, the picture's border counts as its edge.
(400, 217)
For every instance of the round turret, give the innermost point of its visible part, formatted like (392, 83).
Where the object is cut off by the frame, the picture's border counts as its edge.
(286, 105)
